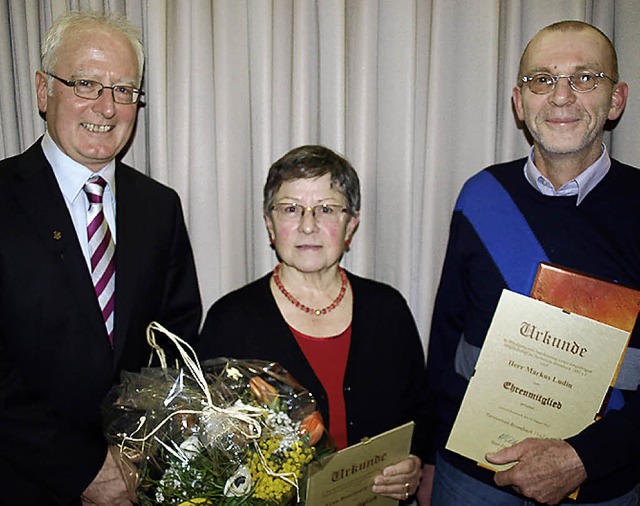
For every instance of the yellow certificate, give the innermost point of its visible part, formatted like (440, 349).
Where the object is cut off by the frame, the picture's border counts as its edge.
(345, 478)
(542, 372)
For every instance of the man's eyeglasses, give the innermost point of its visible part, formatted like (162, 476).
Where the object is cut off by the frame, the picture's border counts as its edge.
(91, 90)
(323, 213)
(542, 83)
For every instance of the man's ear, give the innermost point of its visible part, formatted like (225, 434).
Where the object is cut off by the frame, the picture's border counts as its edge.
(516, 96)
(42, 90)
(618, 100)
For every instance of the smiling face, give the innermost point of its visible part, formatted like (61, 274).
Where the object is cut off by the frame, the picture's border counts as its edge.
(307, 245)
(564, 122)
(91, 132)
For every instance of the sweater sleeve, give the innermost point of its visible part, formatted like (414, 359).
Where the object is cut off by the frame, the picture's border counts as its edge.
(611, 443)
(446, 330)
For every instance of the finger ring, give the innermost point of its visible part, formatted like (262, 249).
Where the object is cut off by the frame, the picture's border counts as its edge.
(406, 486)
(406, 496)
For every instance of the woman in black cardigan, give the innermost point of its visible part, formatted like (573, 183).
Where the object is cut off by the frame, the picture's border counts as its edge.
(352, 342)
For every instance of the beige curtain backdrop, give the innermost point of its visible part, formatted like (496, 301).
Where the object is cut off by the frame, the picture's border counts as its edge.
(416, 93)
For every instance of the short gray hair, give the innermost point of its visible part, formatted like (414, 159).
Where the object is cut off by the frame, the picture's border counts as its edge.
(75, 20)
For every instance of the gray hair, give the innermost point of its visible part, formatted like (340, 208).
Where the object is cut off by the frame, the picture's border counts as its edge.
(75, 20)
(306, 162)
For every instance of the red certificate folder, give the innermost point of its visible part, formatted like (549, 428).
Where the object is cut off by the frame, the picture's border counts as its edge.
(576, 292)
(589, 296)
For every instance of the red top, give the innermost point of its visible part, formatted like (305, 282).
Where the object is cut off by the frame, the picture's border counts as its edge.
(328, 359)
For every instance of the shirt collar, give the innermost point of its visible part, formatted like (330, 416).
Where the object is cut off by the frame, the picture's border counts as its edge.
(580, 186)
(71, 175)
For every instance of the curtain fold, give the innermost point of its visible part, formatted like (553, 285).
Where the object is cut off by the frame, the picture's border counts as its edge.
(415, 93)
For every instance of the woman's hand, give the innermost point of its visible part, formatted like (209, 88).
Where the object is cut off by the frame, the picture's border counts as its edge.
(400, 480)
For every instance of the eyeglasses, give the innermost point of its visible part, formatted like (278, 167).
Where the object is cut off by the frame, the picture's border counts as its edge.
(582, 82)
(323, 213)
(91, 90)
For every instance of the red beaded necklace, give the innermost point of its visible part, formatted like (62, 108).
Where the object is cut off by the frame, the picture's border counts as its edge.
(307, 309)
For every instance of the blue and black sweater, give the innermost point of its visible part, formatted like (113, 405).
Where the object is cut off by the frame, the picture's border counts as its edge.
(601, 237)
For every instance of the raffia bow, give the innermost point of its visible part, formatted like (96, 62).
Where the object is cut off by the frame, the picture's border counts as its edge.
(249, 415)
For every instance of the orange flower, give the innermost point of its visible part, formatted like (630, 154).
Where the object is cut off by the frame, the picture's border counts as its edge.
(312, 427)
(262, 391)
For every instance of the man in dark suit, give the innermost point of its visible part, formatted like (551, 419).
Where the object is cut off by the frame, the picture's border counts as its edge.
(64, 341)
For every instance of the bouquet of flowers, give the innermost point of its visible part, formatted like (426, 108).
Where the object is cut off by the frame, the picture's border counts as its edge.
(224, 432)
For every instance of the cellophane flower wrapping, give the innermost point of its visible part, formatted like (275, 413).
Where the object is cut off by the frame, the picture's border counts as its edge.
(183, 452)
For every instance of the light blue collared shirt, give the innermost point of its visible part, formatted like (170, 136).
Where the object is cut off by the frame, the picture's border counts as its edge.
(71, 177)
(580, 186)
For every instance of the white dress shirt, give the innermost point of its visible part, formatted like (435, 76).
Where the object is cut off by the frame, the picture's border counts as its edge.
(71, 177)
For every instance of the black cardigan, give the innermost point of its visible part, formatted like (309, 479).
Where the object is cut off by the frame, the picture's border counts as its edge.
(385, 375)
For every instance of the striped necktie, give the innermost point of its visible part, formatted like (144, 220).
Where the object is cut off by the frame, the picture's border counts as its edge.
(102, 252)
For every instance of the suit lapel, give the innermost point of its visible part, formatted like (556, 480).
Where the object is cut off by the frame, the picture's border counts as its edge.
(130, 234)
(37, 192)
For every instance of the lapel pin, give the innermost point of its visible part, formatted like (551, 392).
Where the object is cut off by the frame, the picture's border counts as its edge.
(57, 235)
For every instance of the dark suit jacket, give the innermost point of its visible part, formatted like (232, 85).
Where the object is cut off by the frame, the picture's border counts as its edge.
(56, 364)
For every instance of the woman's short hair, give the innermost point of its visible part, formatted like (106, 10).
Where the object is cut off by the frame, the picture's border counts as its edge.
(307, 162)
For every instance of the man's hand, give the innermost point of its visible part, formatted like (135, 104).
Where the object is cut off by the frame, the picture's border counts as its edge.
(547, 470)
(108, 488)
(426, 485)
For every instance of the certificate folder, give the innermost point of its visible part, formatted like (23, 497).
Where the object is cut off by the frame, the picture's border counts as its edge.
(345, 478)
(542, 372)
(600, 299)
(591, 296)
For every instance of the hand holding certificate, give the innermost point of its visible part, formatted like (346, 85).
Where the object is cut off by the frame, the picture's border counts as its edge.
(548, 470)
(345, 478)
(542, 373)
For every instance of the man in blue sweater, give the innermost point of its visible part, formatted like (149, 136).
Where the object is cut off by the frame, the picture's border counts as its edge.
(567, 203)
